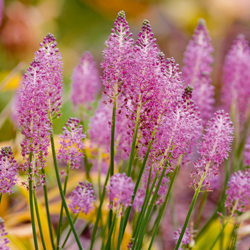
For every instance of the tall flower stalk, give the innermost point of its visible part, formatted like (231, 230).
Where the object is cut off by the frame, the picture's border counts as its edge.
(213, 150)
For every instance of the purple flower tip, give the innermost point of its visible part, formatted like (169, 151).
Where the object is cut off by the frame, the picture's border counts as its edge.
(71, 144)
(120, 190)
(8, 171)
(3, 239)
(85, 81)
(82, 198)
(238, 192)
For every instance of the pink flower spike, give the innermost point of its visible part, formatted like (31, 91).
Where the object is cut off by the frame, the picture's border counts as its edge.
(39, 102)
(117, 58)
(238, 192)
(3, 239)
(186, 237)
(214, 149)
(8, 171)
(197, 70)
(82, 198)
(236, 84)
(120, 190)
(71, 144)
(85, 81)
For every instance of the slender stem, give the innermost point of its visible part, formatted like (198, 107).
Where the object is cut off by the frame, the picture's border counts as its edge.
(61, 192)
(113, 243)
(220, 233)
(69, 232)
(0, 198)
(47, 211)
(38, 219)
(147, 217)
(189, 214)
(61, 211)
(99, 185)
(107, 247)
(131, 158)
(112, 148)
(119, 242)
(99, 212)
(163, 207)
(201, 209)
(31, 205)
(138, 179)
(143, 211)
(234, 236)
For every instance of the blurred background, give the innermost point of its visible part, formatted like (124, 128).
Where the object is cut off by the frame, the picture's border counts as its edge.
(81, 25)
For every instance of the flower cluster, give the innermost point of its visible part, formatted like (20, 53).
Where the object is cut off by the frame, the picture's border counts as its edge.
(214, 149)
(71, 144)
(179, 130)
(39, 101)
(120, 190)
(196, 72)
(186, 237)
(85, 81)
(82, 198)
(8, 170)
(3, 240)
(238, 191)
(236, 85)
(117, 59)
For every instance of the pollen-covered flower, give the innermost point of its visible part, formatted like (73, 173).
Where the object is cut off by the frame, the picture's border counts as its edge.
(39, 101)
(197, 70)
(214, 148)
(236, 84)
(3, 240)
(117, 59)
(71, 144)
(186, 237)
(238, 191)
(82, 198)
(120, 190)
(8, 170)
(85, 81)
(247, 152)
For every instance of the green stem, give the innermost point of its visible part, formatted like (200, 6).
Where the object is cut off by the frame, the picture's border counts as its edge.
(31, 205)
(234, 236)
(189, 213)
(69, 232)
(38, 220)
(47, 211)
(61, 192)
(147, 217)
(138, 180)
(113, 243)
(107, 247)
(163, 207)
(99, 212)
(0, 198)
(131, 158)
(112, 149)
(119, 242)
(201, 209)
(143, 211)
(61, 210)
(220, 233)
